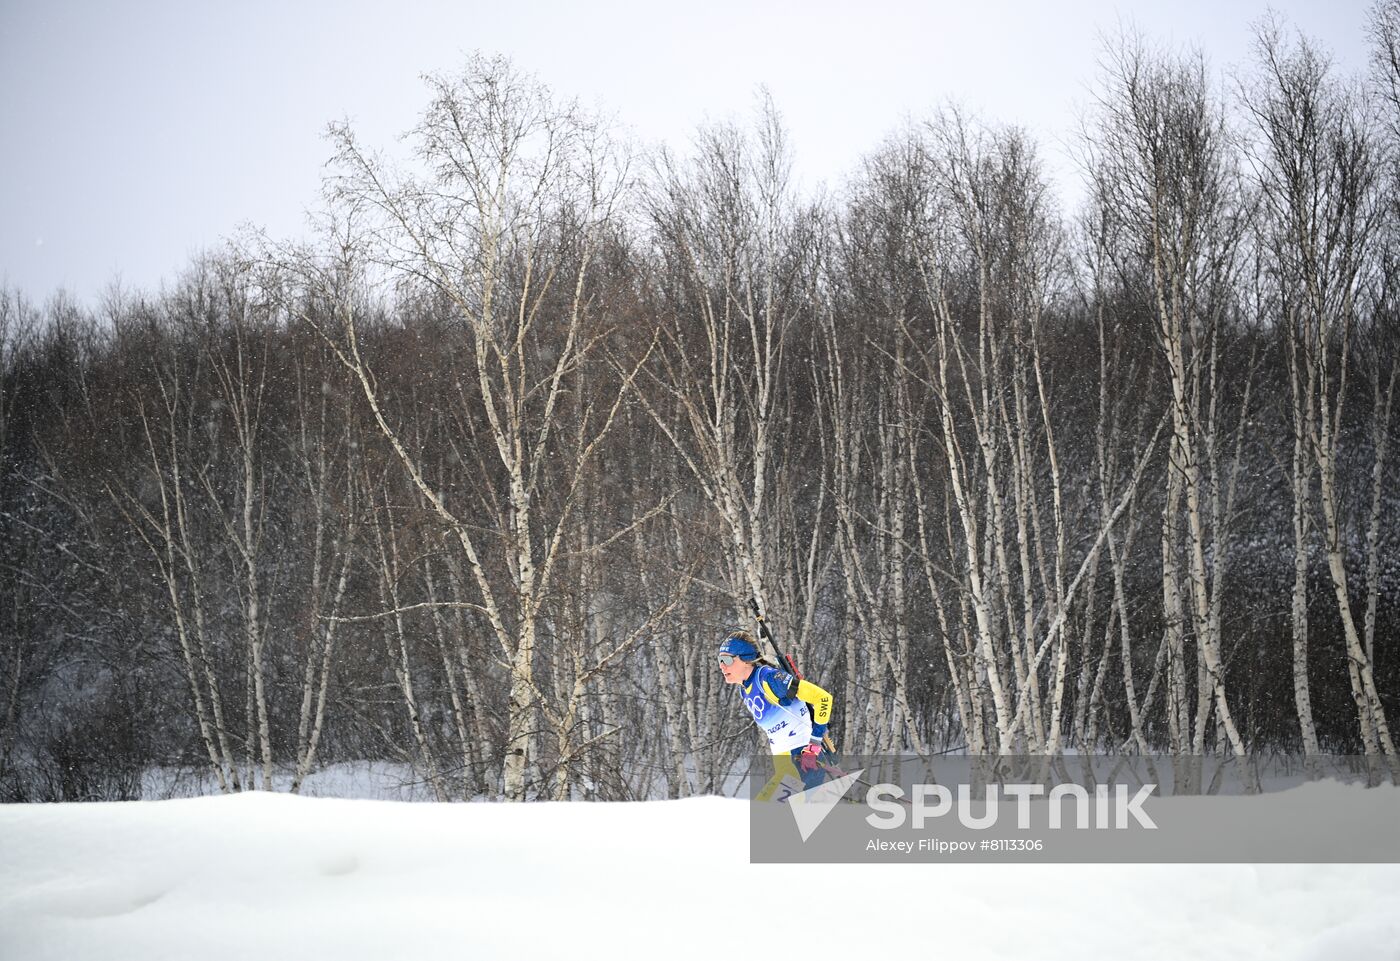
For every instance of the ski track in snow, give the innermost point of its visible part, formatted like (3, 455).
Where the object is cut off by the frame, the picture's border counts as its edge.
(281, 876)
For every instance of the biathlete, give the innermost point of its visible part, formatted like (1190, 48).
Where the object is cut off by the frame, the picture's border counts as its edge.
(778, 702)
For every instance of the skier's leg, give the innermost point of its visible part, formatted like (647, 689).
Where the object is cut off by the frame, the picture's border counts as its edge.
(785, 776)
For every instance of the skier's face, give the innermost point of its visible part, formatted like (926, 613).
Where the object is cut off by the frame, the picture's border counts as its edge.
(736, 670)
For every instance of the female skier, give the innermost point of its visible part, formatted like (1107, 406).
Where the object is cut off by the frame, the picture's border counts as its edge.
(771, 696)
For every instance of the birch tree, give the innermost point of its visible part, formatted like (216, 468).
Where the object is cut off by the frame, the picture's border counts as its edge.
(323, 454)
(503, 225)
(1318, 175)
(240, 371)
(1162, 167)
(160, 511)
(986, 287)
(870, 411)
(734, 250)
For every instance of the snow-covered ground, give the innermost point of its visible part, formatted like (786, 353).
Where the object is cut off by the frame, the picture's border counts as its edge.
(273, 876)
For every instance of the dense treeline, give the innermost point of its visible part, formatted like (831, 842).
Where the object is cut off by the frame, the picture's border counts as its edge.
(476, 482)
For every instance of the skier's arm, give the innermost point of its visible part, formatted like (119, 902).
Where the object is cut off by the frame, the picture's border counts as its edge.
(782, 687)
(821, 706)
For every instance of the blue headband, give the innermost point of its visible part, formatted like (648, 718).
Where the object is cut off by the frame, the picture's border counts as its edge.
(740, 648)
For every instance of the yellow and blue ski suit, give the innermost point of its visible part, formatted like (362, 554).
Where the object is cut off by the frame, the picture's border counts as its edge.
(778, 703)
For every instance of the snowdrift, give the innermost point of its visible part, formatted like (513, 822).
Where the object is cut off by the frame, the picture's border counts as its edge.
(279, 876)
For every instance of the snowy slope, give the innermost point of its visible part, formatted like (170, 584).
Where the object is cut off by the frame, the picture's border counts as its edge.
(278, 876)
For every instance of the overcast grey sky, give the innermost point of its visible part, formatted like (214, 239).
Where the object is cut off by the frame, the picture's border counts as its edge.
(137, 133)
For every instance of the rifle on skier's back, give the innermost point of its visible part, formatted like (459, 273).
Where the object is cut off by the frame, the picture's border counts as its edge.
(784, 660)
